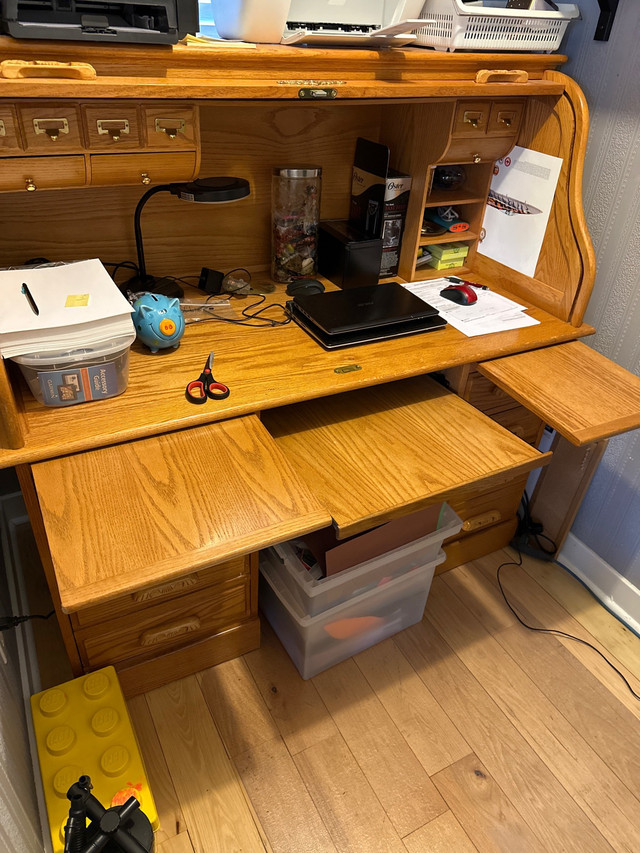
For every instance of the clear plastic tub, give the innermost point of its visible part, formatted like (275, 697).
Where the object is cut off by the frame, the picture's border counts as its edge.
(314, 643)
(314, 596)
(65, 378)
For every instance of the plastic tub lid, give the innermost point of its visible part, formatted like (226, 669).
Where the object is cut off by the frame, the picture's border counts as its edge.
(97, 350)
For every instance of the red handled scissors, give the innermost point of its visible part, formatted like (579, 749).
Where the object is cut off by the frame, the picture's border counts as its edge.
(206, 386)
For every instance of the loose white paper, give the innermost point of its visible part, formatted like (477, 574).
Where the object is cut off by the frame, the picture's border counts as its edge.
(518, 208)
(491, 313)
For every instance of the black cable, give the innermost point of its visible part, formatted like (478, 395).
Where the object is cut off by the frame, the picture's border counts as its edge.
(263, 322)
(524, 531)
(7, 622)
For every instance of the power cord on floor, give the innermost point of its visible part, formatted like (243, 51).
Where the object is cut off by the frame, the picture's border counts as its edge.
(528, 529)
(8, 622)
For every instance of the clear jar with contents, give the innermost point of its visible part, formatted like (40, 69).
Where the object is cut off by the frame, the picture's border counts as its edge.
(295, 213)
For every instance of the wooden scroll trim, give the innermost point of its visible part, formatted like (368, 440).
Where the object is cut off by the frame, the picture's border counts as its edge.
(491, 75)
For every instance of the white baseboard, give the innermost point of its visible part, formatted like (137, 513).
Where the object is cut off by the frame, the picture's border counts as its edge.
(617, 594)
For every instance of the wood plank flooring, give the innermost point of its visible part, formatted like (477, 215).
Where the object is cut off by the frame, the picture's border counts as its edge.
(465, 732)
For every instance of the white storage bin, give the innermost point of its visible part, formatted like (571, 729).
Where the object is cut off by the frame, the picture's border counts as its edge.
(314, 596)
(315, 643)
(454, 25)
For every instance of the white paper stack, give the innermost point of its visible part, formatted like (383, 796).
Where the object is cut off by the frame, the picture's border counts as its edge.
(491, 313)
(61, 308)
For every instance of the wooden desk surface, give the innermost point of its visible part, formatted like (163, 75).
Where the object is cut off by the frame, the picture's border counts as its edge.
(264, 368)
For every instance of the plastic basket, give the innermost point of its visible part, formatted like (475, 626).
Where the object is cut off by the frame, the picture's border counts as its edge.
(455, 25)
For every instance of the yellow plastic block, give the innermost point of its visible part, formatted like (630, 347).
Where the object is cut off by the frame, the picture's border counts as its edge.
(83, 727)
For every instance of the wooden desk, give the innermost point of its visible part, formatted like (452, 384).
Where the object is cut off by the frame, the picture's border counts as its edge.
(148, 511)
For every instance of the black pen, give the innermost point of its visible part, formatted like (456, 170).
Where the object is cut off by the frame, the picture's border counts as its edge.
(455, 280)
(30, 299)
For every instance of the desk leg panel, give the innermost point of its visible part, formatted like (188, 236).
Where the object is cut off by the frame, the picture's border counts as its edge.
(30, 496)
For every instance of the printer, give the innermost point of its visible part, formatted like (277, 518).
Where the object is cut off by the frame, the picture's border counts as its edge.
(139, 22)
(370, 23)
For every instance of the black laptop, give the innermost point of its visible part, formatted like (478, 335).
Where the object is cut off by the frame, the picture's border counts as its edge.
(360, 315)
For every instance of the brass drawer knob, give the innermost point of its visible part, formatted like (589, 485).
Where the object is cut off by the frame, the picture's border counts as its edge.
(472, 118)
(476, 158)
(114, 127)
(53, 127)
(145, 178)
(29, 185)
(171, 126)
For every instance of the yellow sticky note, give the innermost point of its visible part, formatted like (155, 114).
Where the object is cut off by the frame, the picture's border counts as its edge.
(77, 300)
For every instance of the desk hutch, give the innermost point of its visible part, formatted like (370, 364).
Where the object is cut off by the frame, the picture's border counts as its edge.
(149, 512)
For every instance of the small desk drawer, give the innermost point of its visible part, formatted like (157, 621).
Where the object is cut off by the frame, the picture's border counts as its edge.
(169, 625)
(9, 131)
(144, 169)
(483, 149)
(505, 118)
(170, 127)
(51, 127)
(521, 422)
(41, 173)
(168, 590)
(485, 394)
(488, 507)
(471, 118)
(112, 128)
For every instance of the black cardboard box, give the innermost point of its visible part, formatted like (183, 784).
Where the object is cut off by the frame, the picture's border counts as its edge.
(347, 256)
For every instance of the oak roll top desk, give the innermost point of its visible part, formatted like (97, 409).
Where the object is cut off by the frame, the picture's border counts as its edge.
(149, 512)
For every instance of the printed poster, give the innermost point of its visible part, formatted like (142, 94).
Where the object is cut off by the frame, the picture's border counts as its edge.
(518, 208)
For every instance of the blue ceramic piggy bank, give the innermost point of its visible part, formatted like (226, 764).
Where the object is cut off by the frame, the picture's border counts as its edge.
(158, 320)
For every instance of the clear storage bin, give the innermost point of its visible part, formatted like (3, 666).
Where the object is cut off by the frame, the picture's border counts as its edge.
(68, 377)
(314, 643)
(314, 596)
(489, 25)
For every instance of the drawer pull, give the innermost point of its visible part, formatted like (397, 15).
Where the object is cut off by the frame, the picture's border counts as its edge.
(29, 185)
(479, 521)
(53, 127)
(3, 131)
(115, 127)
(506, 119)
(476, 158)
(168, 632)
(171, 126)
(472, 118)
(164, 589)
(145, 178)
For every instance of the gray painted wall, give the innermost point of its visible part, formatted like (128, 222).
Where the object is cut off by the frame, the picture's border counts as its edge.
(609, 74)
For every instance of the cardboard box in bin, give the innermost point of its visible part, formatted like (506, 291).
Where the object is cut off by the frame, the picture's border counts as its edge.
(335, 555)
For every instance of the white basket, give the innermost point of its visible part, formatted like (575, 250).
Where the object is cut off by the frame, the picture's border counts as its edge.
(454, 25)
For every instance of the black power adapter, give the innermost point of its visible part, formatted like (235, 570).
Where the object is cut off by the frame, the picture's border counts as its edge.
(210, 280)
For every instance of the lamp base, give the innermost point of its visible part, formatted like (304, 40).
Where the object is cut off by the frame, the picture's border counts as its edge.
(151, 284)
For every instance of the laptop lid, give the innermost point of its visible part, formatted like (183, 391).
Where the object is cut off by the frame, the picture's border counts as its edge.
(365, 336)
(337, 312)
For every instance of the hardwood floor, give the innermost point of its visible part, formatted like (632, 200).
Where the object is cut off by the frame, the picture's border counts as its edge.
(464, 732)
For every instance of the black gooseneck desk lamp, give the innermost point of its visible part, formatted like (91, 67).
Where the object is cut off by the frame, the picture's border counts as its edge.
(204, 190)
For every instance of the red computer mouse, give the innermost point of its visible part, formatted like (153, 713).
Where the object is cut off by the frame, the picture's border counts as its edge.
(463, 294)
